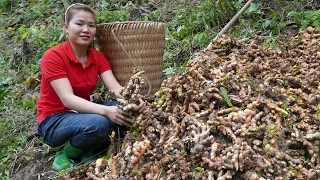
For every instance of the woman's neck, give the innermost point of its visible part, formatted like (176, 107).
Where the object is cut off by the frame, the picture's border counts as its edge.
(80, 52)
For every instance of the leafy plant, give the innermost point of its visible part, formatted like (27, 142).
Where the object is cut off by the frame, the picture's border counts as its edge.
(5, 5)
(30, 104)
(6, 81)
(107, 16)
(271, 42)
(258, 22)
(198, 170)
(193, 29)
(120, 11)
(306, 18)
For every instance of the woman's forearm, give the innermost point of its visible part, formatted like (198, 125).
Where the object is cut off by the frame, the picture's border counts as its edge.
(110, 82)
(82, 105)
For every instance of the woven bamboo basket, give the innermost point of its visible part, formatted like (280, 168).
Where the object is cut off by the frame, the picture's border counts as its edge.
(134, 44)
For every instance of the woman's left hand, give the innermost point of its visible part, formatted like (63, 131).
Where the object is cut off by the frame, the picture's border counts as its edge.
(142, 106)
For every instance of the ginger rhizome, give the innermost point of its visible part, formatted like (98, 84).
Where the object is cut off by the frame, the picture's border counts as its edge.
(239, 110)
(129, 96)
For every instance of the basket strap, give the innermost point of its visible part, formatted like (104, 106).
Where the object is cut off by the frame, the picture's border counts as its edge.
(134, 64)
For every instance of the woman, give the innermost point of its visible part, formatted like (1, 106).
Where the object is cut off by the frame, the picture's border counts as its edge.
(70, 71)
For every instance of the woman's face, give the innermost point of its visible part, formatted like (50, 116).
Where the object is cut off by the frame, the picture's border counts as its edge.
(81, 28)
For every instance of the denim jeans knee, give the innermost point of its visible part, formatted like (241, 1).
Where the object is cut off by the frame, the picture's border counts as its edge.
(83, 130)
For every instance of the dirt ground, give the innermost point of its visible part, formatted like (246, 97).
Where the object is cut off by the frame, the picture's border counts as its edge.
(35, 162)
(37, 166)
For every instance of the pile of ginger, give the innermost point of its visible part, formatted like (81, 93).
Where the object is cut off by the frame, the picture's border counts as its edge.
(240, 111)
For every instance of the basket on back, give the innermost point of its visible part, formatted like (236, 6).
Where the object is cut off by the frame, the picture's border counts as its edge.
(141, 42)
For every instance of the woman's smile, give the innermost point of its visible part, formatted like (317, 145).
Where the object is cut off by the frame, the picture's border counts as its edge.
(85, 37)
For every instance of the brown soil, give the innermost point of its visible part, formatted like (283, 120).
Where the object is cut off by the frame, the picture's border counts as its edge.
(35, 168)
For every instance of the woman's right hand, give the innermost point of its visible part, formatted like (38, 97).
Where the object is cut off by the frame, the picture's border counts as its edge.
(118, 116)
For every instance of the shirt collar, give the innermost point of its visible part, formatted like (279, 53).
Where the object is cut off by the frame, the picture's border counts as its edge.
(73, 57)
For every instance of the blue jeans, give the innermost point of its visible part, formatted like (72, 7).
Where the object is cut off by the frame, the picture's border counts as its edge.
(83, 130)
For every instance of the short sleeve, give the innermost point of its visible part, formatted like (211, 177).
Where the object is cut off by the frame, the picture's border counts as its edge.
(103, 64)
(52, 66)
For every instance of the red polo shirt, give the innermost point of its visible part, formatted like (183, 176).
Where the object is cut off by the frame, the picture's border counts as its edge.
(61, 62)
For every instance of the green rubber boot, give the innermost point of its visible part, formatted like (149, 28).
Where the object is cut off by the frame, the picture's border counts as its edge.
(63, 157)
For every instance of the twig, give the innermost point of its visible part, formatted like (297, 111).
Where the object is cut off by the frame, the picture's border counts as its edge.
(159, 174)
(232, 21)
(13, 164)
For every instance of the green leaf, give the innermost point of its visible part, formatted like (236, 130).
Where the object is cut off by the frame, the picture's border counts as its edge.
(34, 31)
(199, 169)
(53, 44)
(185, 62)
(225, 96)
(292, 13)
(169, 71)
(32, 3)
(107, 157)
(254, 7)
(266, 24)
(42, 41)
(3, 94)
(5, 159)
(182, 153)
(7, 173)
(24, 35)
(61, 36)
(285, 107)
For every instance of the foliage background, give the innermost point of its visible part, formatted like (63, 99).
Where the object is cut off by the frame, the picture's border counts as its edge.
(29, 28)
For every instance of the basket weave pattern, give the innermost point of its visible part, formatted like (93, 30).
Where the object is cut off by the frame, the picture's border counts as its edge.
(144, 43)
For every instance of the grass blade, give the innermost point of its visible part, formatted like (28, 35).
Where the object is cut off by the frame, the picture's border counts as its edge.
(225, 96)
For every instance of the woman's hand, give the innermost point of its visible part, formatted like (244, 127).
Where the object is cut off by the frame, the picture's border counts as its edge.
(141, 106)
(118, 116)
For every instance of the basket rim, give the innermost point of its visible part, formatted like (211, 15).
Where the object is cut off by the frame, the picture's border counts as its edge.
(130, 22)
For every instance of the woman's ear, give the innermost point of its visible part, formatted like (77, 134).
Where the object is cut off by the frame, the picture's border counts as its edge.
(66, 27)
